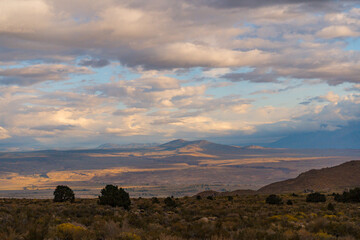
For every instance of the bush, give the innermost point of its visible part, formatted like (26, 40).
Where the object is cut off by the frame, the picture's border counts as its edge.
(63, 194)
(155, 200)
(198, 197)
(315, 197)
(169, 202)
(273, 199)
(289, 202)
(330, 207)
(69, 231)
(114, 196)
(230, 198)
(351, 196)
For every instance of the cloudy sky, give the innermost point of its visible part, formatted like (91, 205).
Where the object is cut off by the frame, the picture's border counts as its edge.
(79, 73)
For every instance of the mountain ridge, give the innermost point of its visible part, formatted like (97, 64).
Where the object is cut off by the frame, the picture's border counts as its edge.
(336, 178)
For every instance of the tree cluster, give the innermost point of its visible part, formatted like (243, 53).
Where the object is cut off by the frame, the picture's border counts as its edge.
(110, 195)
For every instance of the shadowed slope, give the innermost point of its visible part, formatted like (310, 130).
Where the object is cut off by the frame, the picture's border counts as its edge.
(346, 175)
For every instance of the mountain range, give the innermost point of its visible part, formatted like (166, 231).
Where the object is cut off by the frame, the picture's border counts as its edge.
(176, 168)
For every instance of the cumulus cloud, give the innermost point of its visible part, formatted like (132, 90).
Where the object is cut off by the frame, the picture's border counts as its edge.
(149, 57)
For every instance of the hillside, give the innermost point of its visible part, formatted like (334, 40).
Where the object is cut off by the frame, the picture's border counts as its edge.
(336, 178)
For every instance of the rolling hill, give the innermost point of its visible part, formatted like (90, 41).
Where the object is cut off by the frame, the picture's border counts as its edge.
(346, 175)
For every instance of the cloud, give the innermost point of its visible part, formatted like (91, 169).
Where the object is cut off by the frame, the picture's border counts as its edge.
(256, 75)
(260, 3)
(51, 128)
(329, 97)
(95, 63)
(39, 73)
(177, 68)
(4, 133)
(355, 87)
(337, 31)
(187, 55)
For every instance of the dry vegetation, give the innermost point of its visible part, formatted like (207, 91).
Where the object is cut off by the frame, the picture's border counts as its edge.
(237, 217)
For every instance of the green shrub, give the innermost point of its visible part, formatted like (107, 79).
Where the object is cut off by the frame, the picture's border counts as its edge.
(63, 194)
(114, 196)
(315, 197)
(273, 199)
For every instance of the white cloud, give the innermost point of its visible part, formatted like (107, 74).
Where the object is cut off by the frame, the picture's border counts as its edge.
(337, 31)
(4, 133)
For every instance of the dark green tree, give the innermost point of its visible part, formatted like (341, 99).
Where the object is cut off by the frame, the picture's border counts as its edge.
(315, 197)
(115, 197)
(63, 193)
(273, 199)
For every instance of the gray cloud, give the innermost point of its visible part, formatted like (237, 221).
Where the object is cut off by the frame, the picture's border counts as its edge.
(95, 63)
(254, 76)
(261, 3)
(39, 73)
(51, 128)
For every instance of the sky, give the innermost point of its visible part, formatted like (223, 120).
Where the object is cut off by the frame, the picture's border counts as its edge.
(80, 73)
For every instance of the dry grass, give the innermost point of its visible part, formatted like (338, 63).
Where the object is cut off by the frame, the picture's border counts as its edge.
(243, 217)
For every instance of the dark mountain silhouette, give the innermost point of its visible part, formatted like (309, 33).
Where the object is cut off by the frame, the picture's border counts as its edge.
(338, 178)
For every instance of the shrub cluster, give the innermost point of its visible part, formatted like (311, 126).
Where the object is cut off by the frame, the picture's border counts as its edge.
(273, 199)
(245, 217)
(349, 196)
(315, 197)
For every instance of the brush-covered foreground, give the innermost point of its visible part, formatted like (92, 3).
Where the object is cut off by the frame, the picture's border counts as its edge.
(240, 217)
